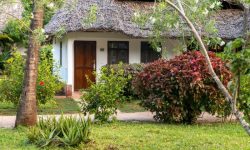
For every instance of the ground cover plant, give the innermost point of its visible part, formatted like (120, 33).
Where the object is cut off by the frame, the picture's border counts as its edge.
(146, 136)
(178, 90)
(66, 131)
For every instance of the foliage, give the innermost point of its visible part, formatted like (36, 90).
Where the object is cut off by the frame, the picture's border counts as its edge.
(130, 71)
(214, 43)
(6, 105)
(11, 83)
(5, 40)
(239, 60)
(244, 98)
(18, 29)
(50, 7)
(163, 19)
(48, 82)
(4, 56)
(178, 90)
(102, 98)
(67, 131)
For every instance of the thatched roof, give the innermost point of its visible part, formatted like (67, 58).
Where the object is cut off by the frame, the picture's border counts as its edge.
(113, 16)
(9, 10)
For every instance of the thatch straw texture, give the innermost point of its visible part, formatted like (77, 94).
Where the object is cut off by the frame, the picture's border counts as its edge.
(9, 10)
(113, 16)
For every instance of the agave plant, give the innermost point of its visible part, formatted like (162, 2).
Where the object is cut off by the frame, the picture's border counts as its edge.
(66, 131)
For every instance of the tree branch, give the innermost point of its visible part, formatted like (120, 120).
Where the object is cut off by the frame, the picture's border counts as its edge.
(180, 6)
(211, 70)
(19, 21)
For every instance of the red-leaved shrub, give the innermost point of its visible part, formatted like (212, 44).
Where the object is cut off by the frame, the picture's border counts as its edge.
(178, 90)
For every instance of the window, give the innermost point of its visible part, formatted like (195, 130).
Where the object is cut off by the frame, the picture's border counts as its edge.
(118, 51)
(192, 45)
(231, 5)
(148, 54)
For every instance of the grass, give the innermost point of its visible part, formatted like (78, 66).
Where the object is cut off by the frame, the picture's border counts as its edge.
(132, 106)
(148, 136)
(66, 106)
(152, 136)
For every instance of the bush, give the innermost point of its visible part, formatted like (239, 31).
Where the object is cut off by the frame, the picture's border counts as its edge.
(130, 71)
(239, 61)
(178, 90)
(67, 131)
(102, 98)
(4, 56)
(244, 100)
(11, 83)
(48, 82)
(17, 32)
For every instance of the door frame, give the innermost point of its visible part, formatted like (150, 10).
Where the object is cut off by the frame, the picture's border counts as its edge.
(74, 60)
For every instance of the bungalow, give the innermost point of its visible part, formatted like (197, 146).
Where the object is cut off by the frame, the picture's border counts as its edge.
(113, 37)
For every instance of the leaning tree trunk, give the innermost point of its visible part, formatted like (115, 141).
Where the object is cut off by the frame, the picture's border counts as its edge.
(223, 89)
(27, 111)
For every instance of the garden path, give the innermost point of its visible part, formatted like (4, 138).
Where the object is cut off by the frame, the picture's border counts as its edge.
(9, 121)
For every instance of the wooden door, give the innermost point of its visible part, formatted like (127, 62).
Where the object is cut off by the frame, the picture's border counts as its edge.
(85, 63)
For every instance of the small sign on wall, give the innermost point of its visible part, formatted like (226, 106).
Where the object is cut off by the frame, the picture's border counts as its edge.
(102, 49)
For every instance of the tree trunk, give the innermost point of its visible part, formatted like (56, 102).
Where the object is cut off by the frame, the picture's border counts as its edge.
(27, 110)
(223, 89)
(246, 27)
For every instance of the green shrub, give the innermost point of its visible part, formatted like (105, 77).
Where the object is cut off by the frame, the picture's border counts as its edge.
(11, 83)
(130, 71)
(48, 82)
(244, 99)
(239, 61)
(67, 131)
(102, 98)
(179, 90)
(4, 56)
(17, 32)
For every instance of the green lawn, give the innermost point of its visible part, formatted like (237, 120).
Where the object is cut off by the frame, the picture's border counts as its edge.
(148, 136)
(132, 106)
(67, 106)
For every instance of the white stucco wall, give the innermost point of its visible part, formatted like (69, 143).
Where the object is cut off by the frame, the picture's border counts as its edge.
(101, 38)
(171, 48)
(56, 55)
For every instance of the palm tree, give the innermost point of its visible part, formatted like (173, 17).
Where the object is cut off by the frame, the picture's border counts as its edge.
(27, 110)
